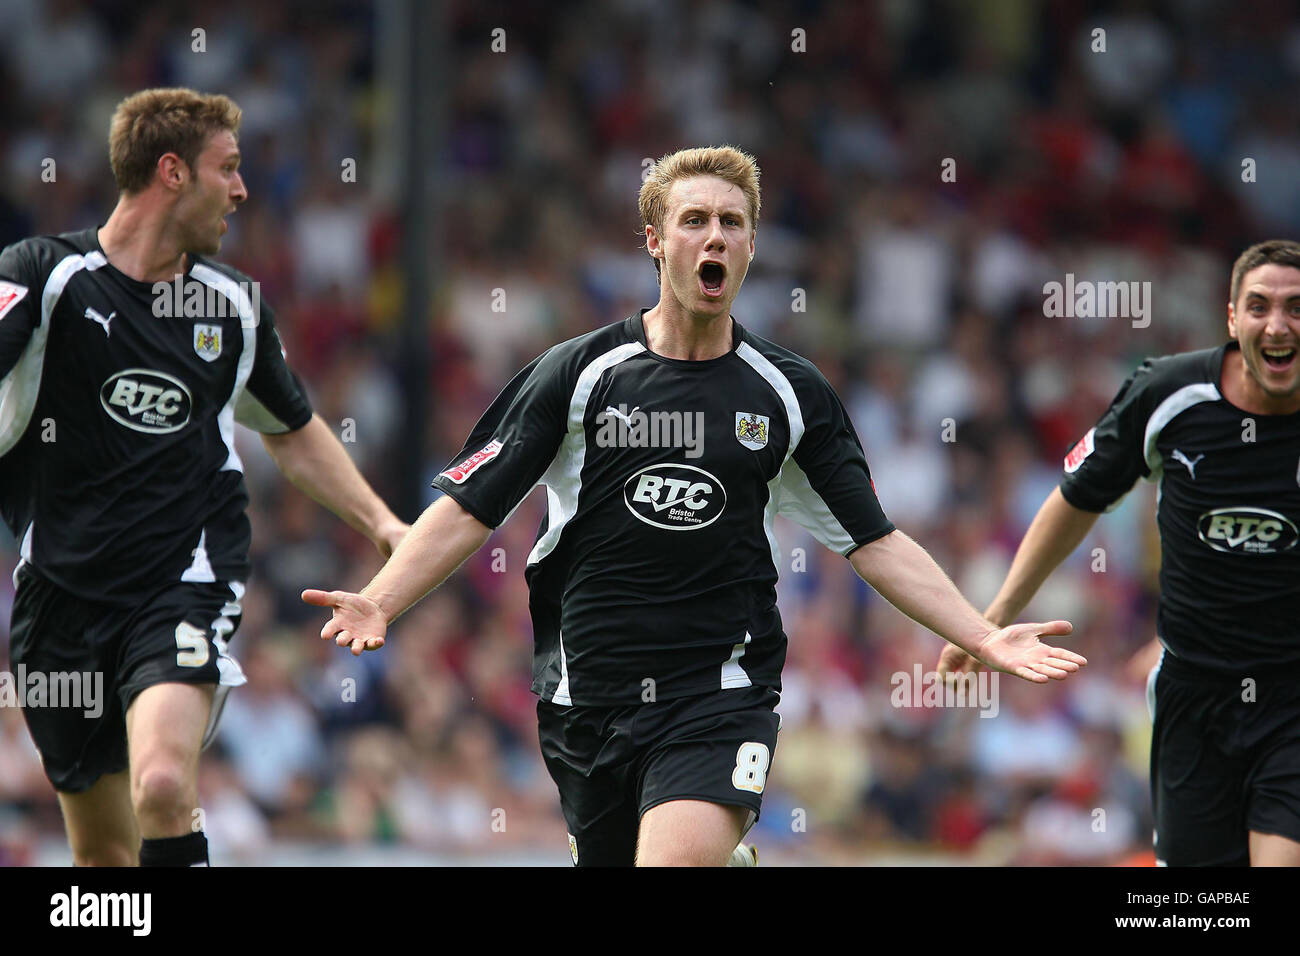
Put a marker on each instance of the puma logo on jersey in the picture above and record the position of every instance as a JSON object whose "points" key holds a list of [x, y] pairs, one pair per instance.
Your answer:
{"points": [[675, 497], [1191, 465], [1247, 530], [626, 416], [146, 401], [96, 317]]}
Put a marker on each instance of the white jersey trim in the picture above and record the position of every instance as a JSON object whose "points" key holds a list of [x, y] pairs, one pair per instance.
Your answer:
{"points": [[561, 695], [733, 675], [20, 388], [248, 322], [1167, 411], [563, 478], [800, 502]]}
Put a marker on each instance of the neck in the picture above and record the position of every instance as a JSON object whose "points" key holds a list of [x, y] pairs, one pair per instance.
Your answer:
{"points": [[675, 333], [140, 243], [1239, 387]]}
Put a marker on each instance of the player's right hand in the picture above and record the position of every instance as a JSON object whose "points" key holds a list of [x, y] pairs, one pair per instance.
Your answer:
{"points": [[357, 622]]}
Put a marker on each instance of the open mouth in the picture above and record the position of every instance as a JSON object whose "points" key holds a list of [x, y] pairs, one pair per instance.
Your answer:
{"points": [[1279, 359], [712, 277]]}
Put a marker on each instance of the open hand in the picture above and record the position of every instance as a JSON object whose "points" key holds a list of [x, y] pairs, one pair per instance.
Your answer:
{"points": [[357, 621]]}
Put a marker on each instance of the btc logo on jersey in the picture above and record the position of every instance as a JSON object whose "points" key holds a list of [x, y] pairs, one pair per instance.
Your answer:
{"points": [[675, 497], [207, 342], [751, 430], [146, 401], [1247, 531]]}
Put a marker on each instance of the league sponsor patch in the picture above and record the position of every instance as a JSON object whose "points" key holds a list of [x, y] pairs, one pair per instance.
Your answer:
{"points": [[473, 463], [1079, 452], [11, 293]]}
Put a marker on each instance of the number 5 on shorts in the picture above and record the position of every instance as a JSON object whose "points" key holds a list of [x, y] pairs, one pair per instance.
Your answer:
{"points": [[751, 767], [192, 645]]}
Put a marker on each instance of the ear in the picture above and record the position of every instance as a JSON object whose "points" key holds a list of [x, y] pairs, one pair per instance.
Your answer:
{"points": [[653, 243], [1232, 322], [172, 170]]}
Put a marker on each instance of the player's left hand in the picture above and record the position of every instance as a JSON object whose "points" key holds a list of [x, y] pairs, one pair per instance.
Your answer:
{"points": [[1017, 650], [389, 535]]}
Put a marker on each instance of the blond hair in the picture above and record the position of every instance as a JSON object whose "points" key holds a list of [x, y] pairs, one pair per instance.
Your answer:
{"points": [[150, 123], [726, 162]]}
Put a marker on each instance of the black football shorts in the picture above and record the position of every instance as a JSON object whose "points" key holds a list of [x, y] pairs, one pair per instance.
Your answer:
{"points": [[100, 656], [612, 764], [1225, 760]]}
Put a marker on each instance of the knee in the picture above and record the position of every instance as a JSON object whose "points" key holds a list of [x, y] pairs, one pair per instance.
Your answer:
{"points": [[678, 856], [161, 789], [105, 853]]}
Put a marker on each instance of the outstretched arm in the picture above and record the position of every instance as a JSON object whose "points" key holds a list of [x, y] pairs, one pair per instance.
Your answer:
{"points": [[316, 462], [438, 543], [908, 578], [1056, 531]]}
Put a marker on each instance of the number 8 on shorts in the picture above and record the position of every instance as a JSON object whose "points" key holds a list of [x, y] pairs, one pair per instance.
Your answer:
{"points": [[751, 767]]}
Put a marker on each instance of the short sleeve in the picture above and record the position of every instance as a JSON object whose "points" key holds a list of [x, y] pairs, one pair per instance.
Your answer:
{"points": [[273, 400], [826, 485], [1105, 463], [513, 444]]}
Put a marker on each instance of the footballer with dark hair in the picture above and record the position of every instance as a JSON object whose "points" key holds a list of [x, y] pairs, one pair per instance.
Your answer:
{"points": [[1219, 430]]}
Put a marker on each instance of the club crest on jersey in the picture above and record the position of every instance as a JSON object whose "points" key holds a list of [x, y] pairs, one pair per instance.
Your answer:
{"points": [[473, 463], [207, 342], [1080, 451], [751, 430]]}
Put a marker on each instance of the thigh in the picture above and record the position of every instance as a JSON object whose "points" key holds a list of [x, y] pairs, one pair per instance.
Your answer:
{"points": [[585, 752], [690, 833], [63, 652], [1198, 791], [101, 823], [167, 721]]}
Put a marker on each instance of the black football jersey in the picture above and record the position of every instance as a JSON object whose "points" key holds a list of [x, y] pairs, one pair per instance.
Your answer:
{"points": [[118, 403], [654, 572], [1228, 512]]}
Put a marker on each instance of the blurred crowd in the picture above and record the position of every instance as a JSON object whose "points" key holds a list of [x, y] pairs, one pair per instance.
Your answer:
{"points": [[918, 293]]}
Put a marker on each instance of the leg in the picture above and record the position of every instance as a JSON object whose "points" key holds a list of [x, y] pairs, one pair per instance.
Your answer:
{"points": [[587, 751], [1269, 849], [689, 833], [1197, 790], [164, 731], [701, 784], [101, 825]]}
